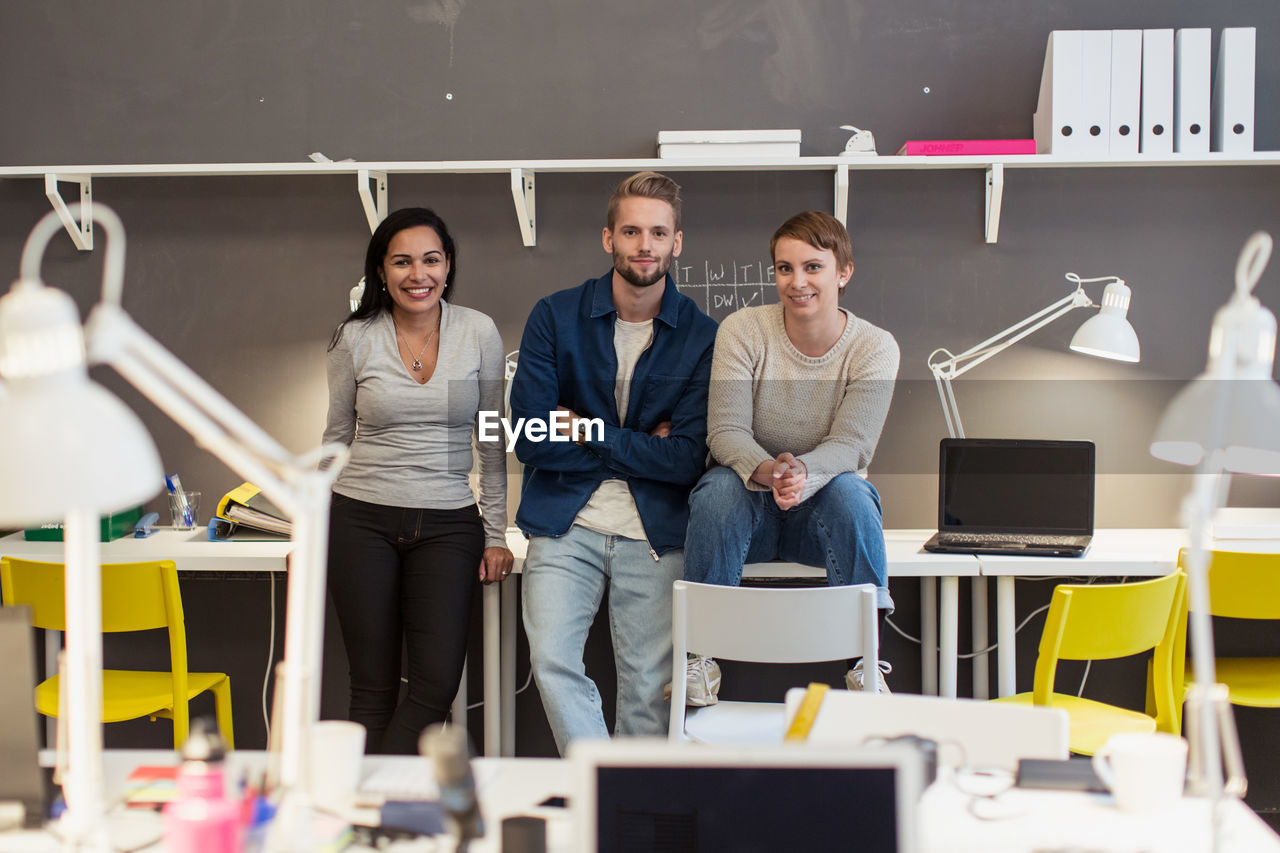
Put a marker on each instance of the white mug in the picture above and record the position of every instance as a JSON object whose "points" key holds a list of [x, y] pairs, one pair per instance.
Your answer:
{"points": [[1145, 772], [336, 750]]}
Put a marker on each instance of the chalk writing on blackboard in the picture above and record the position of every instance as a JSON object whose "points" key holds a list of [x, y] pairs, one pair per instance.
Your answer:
{"points": [[722, 287]]}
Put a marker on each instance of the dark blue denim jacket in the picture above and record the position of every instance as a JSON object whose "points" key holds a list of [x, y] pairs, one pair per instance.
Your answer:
{"points": [[567, 359]]}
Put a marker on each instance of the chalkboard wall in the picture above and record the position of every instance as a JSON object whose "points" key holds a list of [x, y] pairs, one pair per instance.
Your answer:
{"points": [[245, 278]]}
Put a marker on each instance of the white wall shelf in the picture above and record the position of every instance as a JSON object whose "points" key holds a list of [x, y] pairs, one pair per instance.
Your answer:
{"points": [[523, 175]]}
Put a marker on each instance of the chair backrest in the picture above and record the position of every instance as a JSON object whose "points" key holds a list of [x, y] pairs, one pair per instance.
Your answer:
{"points": [[969, 732], [1104, 621], [767, 625], [135, 597], [1242, 585]]}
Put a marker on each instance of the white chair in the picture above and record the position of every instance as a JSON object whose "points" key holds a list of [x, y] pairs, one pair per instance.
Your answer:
{"points": [[762, 626], [969, 732]]}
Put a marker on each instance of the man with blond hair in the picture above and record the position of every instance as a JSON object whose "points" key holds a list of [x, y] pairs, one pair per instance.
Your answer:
{"points": [[608, 512]]}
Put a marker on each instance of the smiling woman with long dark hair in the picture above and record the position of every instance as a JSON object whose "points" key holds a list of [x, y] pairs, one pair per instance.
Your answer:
{"points": [[408, 376]]}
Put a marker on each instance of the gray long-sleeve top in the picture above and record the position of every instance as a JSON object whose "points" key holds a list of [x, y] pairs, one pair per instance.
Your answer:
{"points": [[411, 445]]}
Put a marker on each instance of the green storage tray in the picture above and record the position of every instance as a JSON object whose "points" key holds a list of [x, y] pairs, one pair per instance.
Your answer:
{"points": [[114, 526]]}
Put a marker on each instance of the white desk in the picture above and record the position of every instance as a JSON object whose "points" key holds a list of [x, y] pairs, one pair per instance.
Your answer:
{"points": [[1016, 821], [193, 552], [906, 558], [1114, 553]]}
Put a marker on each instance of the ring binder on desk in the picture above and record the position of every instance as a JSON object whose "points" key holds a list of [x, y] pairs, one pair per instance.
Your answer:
{"points": [[246, 506]]}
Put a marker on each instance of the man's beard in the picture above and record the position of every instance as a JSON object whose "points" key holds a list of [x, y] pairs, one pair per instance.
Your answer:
{"points": [[634, 278]]}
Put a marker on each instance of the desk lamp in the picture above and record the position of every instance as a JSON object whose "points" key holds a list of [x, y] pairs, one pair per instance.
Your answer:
{"points": [[69, 449], [1106, 335], [1225, 421]]}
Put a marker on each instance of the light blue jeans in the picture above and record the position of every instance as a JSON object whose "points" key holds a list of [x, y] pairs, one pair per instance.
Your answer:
{"points": [[564, 582], [839, 527]]}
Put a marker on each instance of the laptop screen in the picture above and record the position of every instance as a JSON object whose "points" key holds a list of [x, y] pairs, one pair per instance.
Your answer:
{"points": [[1015, 485]]}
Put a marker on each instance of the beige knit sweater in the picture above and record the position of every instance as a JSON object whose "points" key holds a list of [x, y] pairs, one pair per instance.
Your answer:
{"points": [[769, 398]]}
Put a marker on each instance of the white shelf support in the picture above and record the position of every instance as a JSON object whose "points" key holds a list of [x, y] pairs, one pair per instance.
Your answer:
{"points": [[842, 195], [522, 187], [375, 209], [995, 195], [81, 232]]}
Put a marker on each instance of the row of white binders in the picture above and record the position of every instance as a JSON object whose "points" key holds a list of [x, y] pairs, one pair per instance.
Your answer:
{"points": [[1115, 93]]}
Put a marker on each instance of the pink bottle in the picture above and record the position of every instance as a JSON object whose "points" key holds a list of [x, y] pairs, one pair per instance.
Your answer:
{"points": [[202, 819]]}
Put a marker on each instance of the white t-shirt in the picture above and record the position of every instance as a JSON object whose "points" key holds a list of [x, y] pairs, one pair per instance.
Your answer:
{"points": [[612, 510]]}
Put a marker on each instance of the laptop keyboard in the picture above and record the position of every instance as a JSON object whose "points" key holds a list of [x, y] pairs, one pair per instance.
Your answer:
{"points": [[997, 540]]}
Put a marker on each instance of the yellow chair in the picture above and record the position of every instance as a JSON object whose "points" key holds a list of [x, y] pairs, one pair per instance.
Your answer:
{"points": [[135, 597], [1241, 586], [1104, 621]]}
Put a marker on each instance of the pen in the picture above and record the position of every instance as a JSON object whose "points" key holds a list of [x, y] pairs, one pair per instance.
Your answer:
{"points": [[174, 483]]}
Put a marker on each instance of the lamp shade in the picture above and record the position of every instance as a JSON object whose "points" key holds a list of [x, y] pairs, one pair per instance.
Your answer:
{"points": [[65, 441], [1239, 417], [1108, 333], [1233, 408]]}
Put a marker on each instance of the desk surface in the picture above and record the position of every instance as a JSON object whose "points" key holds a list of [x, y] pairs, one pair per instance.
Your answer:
{"points": [[904, 549], [1017, 820], [190, 549], [1118, 552]]}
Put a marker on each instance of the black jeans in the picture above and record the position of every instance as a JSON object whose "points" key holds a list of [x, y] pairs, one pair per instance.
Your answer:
{"points": [[403, 575]]}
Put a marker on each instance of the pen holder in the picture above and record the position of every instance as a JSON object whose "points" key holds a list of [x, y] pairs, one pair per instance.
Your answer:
{"points": [[184, 508]]}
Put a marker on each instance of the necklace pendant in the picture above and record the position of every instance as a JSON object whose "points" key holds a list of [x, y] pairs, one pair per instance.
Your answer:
{"points": [[417, 365]]}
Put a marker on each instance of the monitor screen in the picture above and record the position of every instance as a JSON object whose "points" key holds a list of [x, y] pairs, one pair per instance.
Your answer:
{"points": [[1016, 484], [711, 809]]}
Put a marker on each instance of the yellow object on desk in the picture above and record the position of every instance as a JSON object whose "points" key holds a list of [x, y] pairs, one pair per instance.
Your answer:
{"points": [[807, 712]]}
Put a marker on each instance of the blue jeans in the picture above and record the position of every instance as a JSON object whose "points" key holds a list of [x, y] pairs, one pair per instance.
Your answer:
{"points": [[839, 527], [564, 582]]}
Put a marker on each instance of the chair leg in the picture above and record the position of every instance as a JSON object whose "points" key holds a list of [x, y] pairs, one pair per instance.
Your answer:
{"points": [[222, 708]]}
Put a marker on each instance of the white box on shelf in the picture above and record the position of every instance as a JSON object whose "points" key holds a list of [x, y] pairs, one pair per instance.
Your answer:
{"points": [[1233, 94], [1157, 92], [1126, 92], [728, 144], [1057, 119], [1191, 91]]}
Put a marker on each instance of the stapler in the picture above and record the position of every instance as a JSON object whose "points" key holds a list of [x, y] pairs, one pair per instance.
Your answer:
{"points": [[861, 143], [145, 526]]}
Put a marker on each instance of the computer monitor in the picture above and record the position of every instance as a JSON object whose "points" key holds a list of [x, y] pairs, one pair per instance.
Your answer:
{"points": [[645, 794], [21, 779]]}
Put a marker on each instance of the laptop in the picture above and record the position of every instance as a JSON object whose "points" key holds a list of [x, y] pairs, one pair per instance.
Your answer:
{"points": [[644, 794], [21, 781], [1014, 496]]}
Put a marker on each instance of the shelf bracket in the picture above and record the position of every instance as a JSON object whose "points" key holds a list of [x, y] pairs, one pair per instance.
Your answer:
{"points": [[526, 212], [375, 210], [81, 232], [842, 194], [995, 195]]}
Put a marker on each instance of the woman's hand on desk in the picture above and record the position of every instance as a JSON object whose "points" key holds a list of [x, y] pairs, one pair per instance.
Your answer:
{"points": [[495, 564]]}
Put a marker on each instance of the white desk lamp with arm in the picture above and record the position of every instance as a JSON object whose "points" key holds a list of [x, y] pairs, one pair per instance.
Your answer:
{"points": [[69, 449], [1106, 335], [1225, 421]]}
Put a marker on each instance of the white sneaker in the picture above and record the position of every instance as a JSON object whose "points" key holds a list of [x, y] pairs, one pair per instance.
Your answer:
{"points": [[702, 682], [853, 679]]}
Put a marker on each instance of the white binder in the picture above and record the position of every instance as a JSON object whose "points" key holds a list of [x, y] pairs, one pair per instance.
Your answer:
{"points": [[1157, 92], [1095, 93], [1232, 108], [1126, 92], [1056, 122], [1191, 91]]}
